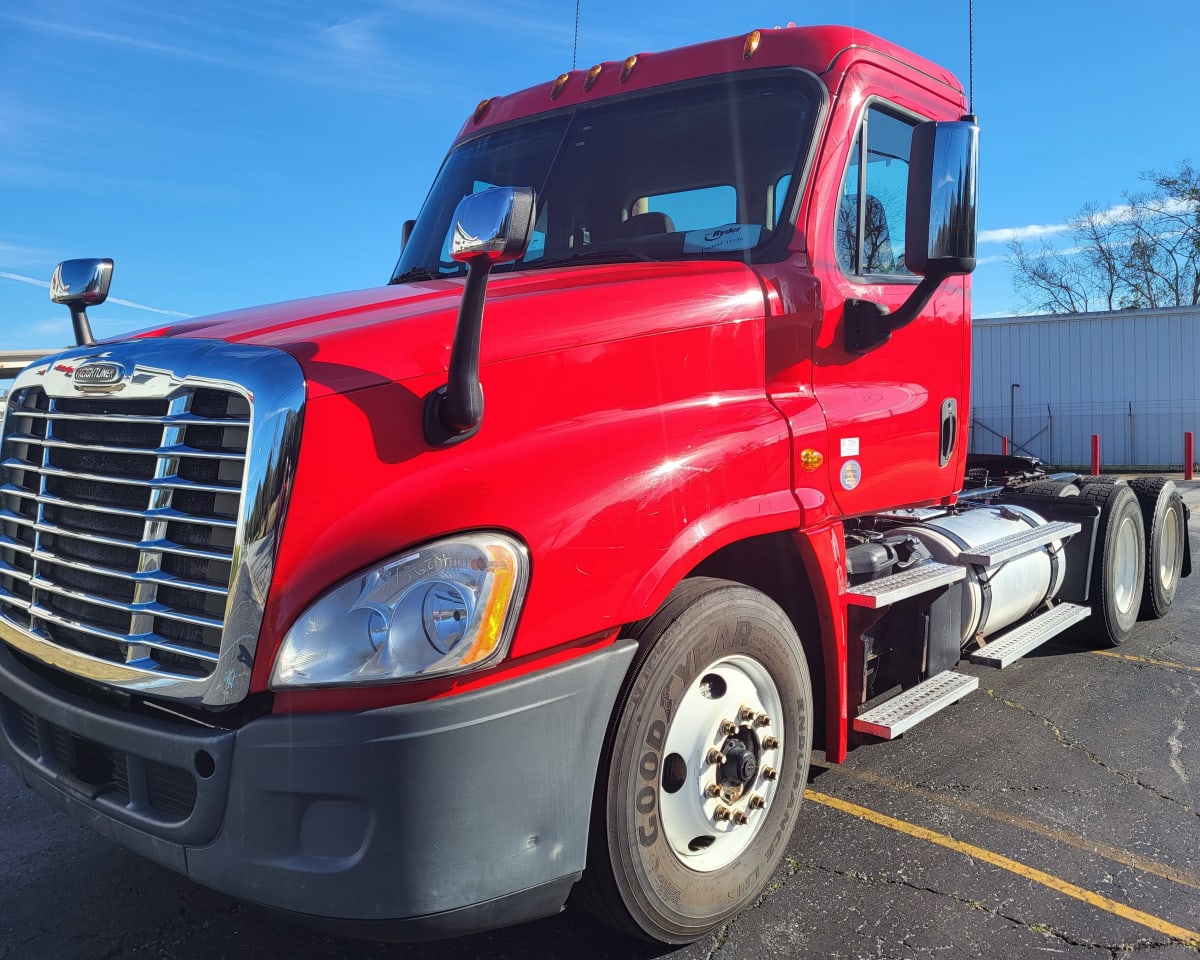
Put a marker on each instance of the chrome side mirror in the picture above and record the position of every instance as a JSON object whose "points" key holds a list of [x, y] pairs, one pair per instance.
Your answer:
{"points": [[80, 284], [494, 224], [490, 227], [939, 238]]}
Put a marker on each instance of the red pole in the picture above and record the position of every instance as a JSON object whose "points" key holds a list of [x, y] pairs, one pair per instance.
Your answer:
{"points": [[1189, 455], [1004, 446], [1095, 454]]}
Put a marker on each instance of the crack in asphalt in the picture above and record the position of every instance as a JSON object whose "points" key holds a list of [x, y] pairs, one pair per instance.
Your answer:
{"points": [[1073, 744], [1114, 950], [1174, 743], [790, 868]]}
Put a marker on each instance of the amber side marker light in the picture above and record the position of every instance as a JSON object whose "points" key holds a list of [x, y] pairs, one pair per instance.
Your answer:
{"points": [[811, 459], [627, 68], [750, 47], [482, 109], [592, 76], [559, 83]]}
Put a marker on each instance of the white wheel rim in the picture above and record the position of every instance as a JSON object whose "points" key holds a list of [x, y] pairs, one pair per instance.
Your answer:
{"points": [[690, 817], [1126, 586], [1168, 550]]}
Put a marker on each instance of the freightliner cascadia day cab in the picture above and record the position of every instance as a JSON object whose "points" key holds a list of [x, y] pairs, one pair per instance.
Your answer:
{"points": [[541, 571]]}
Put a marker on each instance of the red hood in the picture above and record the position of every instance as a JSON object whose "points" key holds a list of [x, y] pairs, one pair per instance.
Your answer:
{"points": [[351, 340]]}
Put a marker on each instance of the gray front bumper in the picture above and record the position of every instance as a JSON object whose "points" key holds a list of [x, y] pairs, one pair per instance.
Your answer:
{"points": [[410, 822]]}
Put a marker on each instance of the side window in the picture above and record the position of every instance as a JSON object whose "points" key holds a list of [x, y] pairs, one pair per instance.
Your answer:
{"points": [[869, 237]]}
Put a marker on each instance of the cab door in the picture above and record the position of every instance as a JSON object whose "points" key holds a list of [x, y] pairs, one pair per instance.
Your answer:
{"points": [[895, 411]]}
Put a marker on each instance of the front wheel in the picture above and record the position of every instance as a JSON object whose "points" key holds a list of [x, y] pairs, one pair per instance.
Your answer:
{"points": [[706, 762]]}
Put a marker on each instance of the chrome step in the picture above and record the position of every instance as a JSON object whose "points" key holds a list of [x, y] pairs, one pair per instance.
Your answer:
{"points": [[1018, 544], [900, 586], [892, 717], [1028, 636]]}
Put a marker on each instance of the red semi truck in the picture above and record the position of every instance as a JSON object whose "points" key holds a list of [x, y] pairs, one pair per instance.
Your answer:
{"points": [[371, 611]]}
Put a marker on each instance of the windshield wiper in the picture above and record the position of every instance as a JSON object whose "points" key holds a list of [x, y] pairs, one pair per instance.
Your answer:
{"points": [[589, 256], [416, 274]]}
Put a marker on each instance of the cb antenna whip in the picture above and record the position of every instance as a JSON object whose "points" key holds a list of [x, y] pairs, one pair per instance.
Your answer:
{"points": [[970, 41], [575, 51]]}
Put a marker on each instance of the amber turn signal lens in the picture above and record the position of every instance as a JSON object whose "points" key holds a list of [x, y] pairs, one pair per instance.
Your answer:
{"points": [[751, 46]]}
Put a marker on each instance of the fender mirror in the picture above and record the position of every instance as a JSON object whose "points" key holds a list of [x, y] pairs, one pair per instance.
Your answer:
{"points": [[80, 284]]}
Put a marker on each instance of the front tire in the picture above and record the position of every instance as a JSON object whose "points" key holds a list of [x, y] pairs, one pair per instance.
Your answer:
{"points": [[706, 762]]}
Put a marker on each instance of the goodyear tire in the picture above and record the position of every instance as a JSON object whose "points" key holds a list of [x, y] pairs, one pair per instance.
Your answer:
{"points": [[1166, 539], [1118, 566], [704, 768]]}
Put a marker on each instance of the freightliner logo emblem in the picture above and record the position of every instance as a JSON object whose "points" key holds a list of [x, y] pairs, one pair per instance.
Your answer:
{"points": [[99, 376]]}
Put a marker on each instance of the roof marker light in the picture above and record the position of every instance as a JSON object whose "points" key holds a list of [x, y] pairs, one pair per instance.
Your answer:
{"points": [[627, 68], [753, 39], [559, 83], [482, 109], [592, 76]]}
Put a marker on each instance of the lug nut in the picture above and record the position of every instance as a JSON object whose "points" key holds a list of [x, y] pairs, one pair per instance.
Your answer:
{"points": [[712, 790], [757, 802], [715, 756], [762, 720], [746, 713], [769, 773], [721, 813], [728, 727], [770, 743], [740, 818]]}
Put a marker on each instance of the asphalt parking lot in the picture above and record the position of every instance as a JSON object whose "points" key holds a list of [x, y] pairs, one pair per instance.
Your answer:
{"points": [[1056, 812]]}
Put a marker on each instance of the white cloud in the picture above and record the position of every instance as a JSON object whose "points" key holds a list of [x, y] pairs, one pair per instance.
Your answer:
{"points": [[117, 300], [1007, 234], [1117, 213], [45, 284]]}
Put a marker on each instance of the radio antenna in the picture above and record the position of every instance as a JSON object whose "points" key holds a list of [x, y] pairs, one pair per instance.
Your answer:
{"points": [[575, 51], [970, 41]]}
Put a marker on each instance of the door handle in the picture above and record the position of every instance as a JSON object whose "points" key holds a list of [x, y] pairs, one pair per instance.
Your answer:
{"points": [[949, 431]]}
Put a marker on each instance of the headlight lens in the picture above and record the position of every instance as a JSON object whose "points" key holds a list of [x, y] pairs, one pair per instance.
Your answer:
{"points": [[444, 608]]}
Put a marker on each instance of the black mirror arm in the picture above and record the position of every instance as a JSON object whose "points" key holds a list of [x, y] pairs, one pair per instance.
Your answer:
{"points": [[454, 412], [868, 324], [79, 321]]}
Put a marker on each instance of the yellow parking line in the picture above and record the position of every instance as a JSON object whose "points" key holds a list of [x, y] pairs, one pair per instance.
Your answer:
{"points": [[1147, 660], [1095, 847], [1189, 937]]}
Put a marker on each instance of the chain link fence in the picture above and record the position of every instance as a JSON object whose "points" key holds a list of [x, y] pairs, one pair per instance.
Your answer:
{"points": [[1133, 436]]}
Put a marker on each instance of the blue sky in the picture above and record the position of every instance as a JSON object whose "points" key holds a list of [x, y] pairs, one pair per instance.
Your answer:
{"points": [[232, 153]]}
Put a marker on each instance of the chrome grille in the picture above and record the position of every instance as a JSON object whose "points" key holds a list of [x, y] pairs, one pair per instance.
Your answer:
{"points": [[118, 523]]}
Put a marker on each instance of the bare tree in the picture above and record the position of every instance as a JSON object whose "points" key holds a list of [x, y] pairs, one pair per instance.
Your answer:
{"points": [[1142, 253]]}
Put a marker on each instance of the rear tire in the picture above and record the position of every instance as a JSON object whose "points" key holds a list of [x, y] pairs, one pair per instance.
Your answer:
{"points": [[1049, 488], [1118, 567], [1166, 539], [663, 862]]}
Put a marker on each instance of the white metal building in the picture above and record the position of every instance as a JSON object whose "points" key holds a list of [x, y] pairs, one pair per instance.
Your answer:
{"points": [[1050, 382]]}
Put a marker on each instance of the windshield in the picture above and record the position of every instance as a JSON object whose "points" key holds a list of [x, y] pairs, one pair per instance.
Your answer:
{"points": [[695, 171]]}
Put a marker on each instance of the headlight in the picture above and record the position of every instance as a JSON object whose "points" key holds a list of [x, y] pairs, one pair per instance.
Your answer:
{"points": [[444, 608]]}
